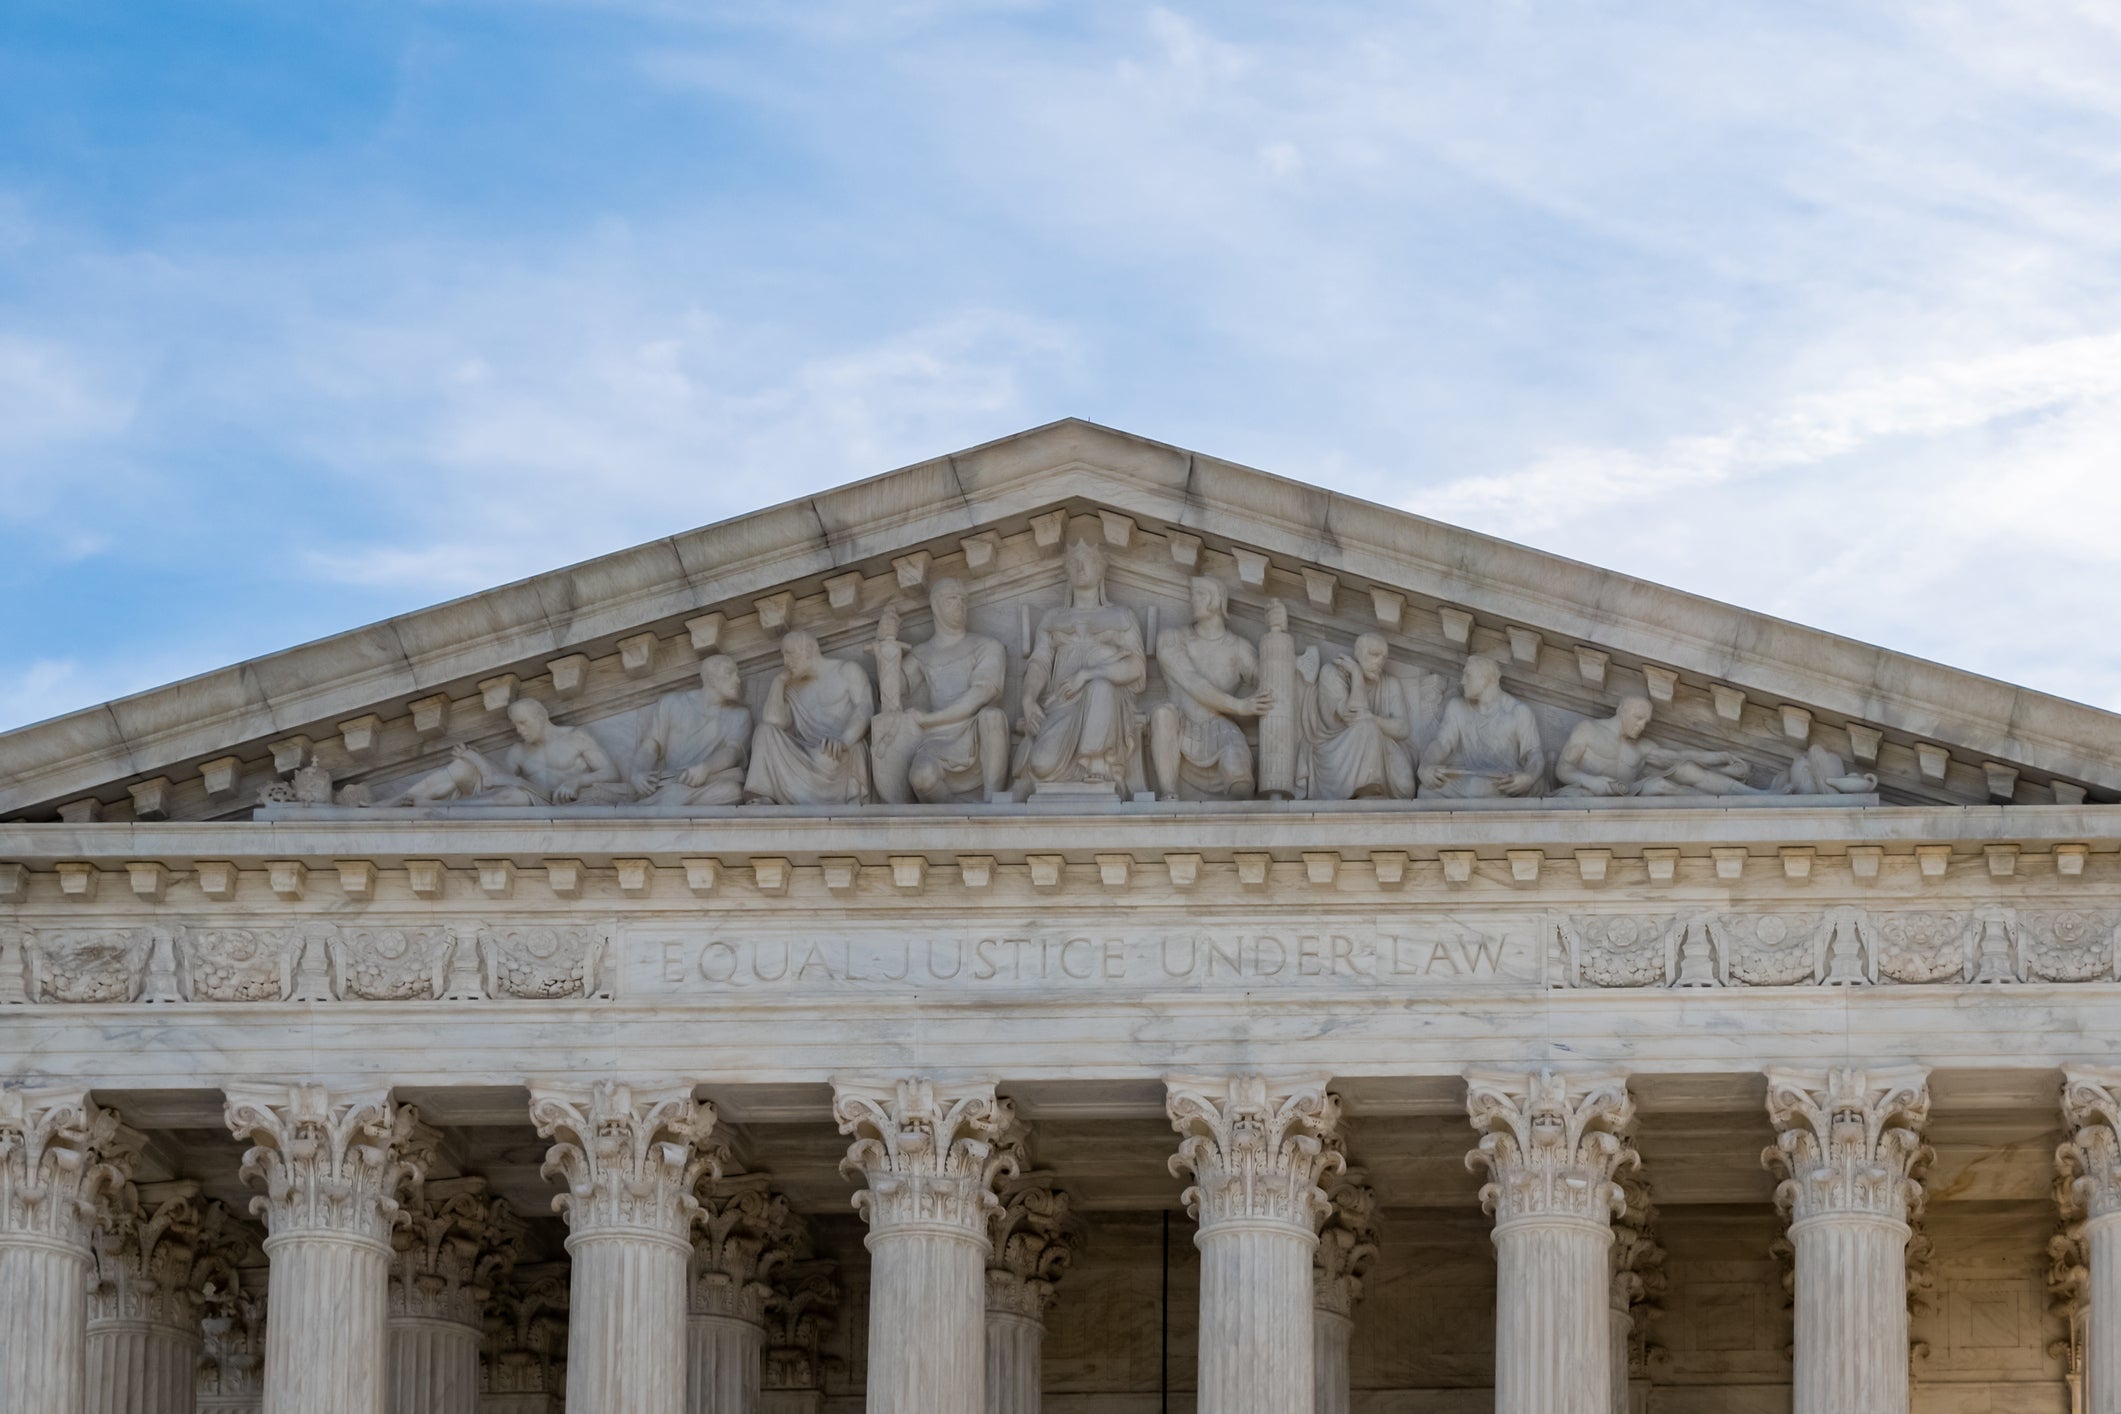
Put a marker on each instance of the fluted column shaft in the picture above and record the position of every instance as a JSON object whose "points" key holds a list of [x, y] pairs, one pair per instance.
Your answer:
{"points": [[142, 1367], [2090, 1163], [1331, 1336], [626, 1321], [1552, 1345], [324, 1342], [433, 1366], [1015, 1361], [1851, 1314], [1619, 1326], [2102, 1327], [43, 1325], [725, 1360]]}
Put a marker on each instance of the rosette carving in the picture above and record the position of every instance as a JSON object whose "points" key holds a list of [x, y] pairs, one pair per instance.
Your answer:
{"points": [[1848, 1141], [541, 963], [2089, 1161], [87, 964], [146, 1251], [1254, 1150], [1772, 949], [1347, 1247], [631, 1157], [1551, 1143], [330, 1162], [745, 1234], [1920, 947], [1621, 950], [62, 1158], [390, 964], [2068, 945], [237, 964], [929, 1156], [456, 1243]]}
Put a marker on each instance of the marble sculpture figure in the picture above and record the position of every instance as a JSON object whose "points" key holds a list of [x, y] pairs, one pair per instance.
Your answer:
{"points": [[1488, 744], [1609, 756], [550, 765], [1356, 724], [696, 745], [1086, 669], [811, 744], [1198, 751], [956, 748]]}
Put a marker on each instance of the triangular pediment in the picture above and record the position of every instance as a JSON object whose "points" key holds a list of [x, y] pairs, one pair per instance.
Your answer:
{"points": [[600, 642]]}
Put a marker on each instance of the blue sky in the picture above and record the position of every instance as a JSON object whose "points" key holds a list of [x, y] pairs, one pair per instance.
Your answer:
{"points": [[310, 314]]}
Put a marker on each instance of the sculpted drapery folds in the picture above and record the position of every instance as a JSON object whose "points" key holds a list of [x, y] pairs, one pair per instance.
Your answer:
{"points": [[1848, 1141], [1256, 1151], [940, 735], [330, 1162], [696, 746], [1086, 668], [929, 1153], [550, 764], [744, 1235], [811, 745], [631, 1157], [1552, 1144], [1488, 743], [1199, 752], [62, 1157], [1355, 722]]}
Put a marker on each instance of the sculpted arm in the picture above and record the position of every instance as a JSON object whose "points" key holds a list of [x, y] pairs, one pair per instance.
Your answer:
{"points": [[1569, 767], [1333, 693], [1436, 756], [649, 752], [1397, 719], [776, 713], [1531, 755], [985, 689], [864, 704], [1038, 670]]}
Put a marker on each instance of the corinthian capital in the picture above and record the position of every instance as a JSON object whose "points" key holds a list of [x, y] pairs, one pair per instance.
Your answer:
{"points": [[1034, 1239], [456, 1243], [1848, 1141], [61, 1158], [746, 1232], [631, 1156], [1347, 1245], [1551, 1143], [1254, 1149], [929, 1154], [2090, 1159], [331, 1161], [147, 1247]]}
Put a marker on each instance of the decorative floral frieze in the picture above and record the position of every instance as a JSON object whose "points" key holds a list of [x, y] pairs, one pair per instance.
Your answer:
{"points": [[1551, 1143], [798, 1318], [1034, 1236], [2089, 1160], [1919, 947], [927, 1153], [1256, 1150], [744, 1234], [1620, 949], [238, 964], [1848, 1141], [2067, 945], [390, 964], [86, 964], [1347, 1246], [542, 963], [455, 1243], [63, 1157], [147, 1247], [330, 1162], [631, 1156], [525, 1351]]}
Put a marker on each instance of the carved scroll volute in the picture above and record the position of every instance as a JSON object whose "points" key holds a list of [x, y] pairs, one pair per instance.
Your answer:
{"points": [[456, 1245], [631, 1156], [1034, 1237], [928, 1153], [1552, 1144], [1255, 1150], [62, 1158], [331, 1162], [745, 1233], [1848, 1141], [2089, 1161], [146, 1247], [1347, 1246]]}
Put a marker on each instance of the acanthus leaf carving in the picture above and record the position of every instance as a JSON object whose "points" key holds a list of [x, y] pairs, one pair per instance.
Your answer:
{"points": [[1033, 1235], [2088, 1162], [744, 1234], [1552, 1143], [1347, 1246], [1848, 1141], [799, 1316], [456, 1244], [1256, 1150], [631, 1155], [330, 1162], [1639, 1282], [147, 1246], [927, 1152], [525, 1351], [62, 1158]]}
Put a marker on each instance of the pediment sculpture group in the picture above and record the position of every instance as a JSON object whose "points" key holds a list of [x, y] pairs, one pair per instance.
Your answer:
{"points": [[934, 729]]}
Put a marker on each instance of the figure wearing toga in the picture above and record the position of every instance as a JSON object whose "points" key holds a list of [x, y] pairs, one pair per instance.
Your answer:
{"points": [[1086, 668], [956, 748], [810, 747], [1488, 744], [1198, 751], [696, 745], [549, 765], [1356, 723]]}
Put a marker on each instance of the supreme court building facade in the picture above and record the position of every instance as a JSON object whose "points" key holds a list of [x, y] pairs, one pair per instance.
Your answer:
{"points": [[1072, 925]]}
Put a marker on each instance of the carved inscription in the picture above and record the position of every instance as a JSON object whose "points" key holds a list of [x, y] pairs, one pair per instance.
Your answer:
{"points": [[1359, 954]]}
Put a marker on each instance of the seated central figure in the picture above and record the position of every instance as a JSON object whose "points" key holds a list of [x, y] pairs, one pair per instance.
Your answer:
{"points": [[1488, 744], [810, 748], [1201, 754], [957, 747], [1085, 669], [695, 746]]}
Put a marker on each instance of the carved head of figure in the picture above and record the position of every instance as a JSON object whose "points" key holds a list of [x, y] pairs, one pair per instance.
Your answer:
{"points": [[799, 651], [530, 719], [947, 599], [1208, 597], [720, 679], [1086, 568], [1481, 680], [1633, 716], [1370, 652]]}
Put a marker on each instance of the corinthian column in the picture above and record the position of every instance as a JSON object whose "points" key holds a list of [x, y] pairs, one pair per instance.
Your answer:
{"points": [[1033, 1243], [2090, 1164], [456, 1242], [1255, 1151], [928, 1155], [745, 1234], [332, 1164], [1848, 1149], [1347, 1245], [631, 1157], [1551, 1143], [62, 1156], [1638, 1279], [144, 1337], [231, 1275], [527, 1342]]}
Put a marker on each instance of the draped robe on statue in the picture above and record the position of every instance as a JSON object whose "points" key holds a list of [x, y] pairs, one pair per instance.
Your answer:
{"points": [[790, 766], [1091, 733]]}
